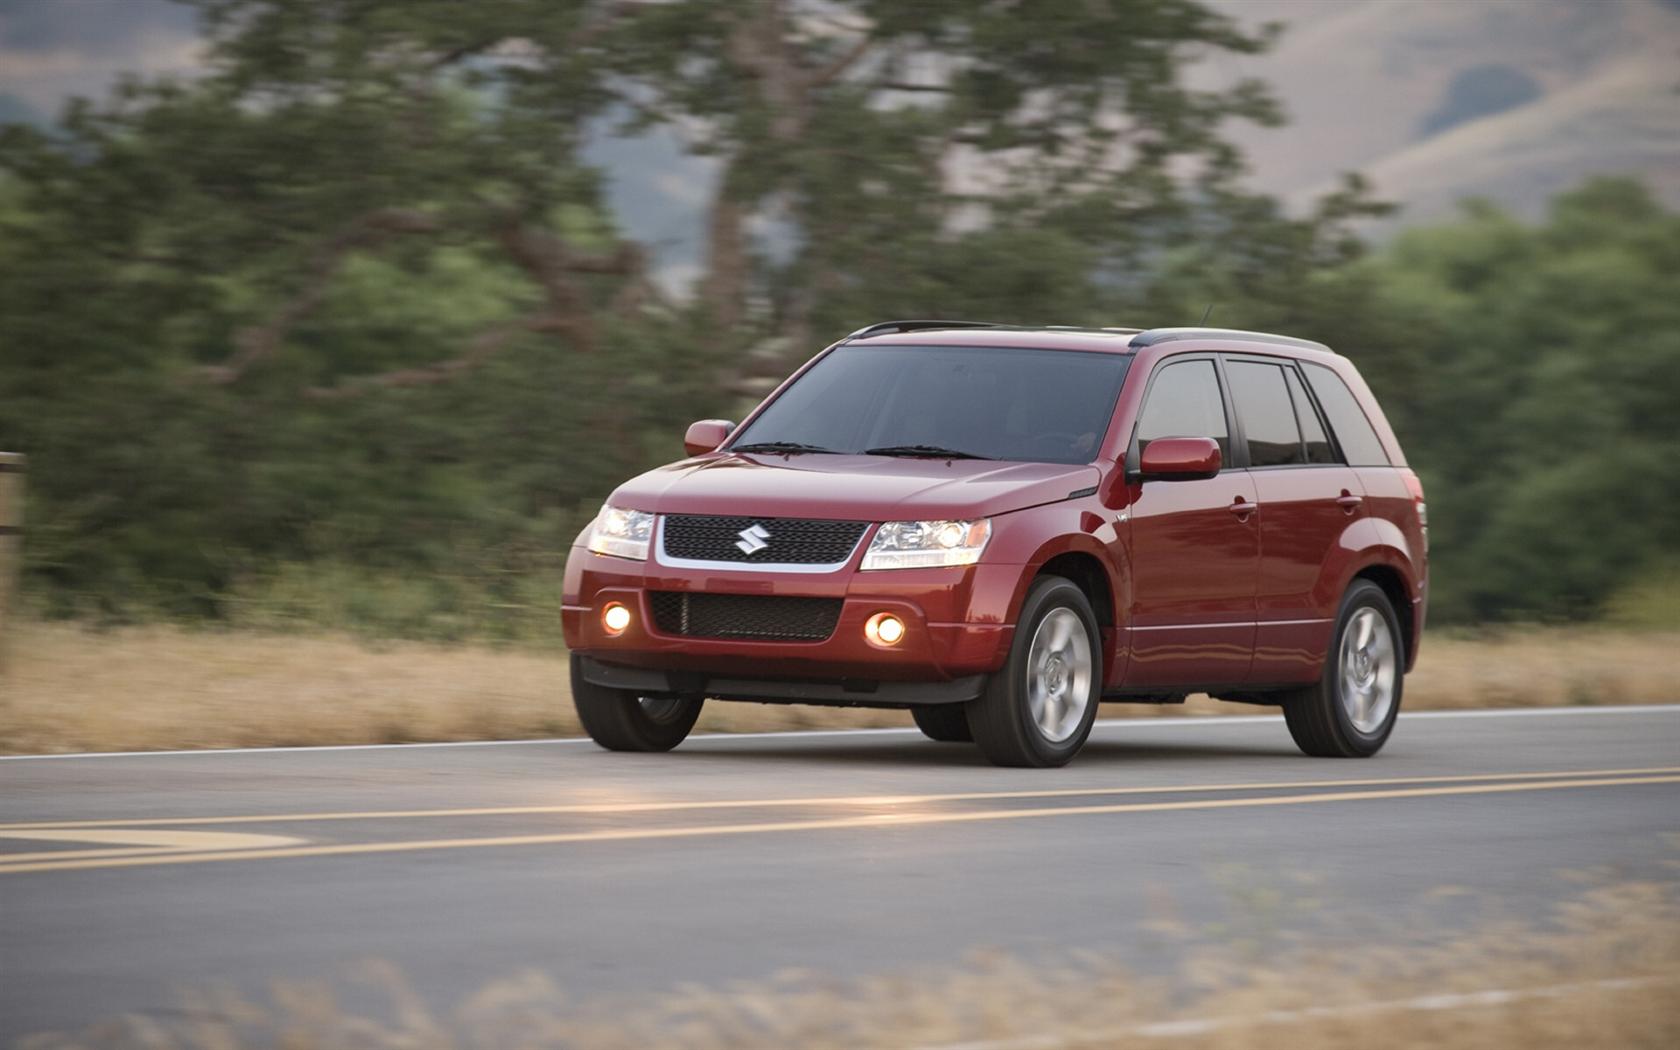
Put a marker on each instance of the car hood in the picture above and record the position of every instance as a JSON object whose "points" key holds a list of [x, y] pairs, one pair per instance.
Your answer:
{"points": [[859, 488]]}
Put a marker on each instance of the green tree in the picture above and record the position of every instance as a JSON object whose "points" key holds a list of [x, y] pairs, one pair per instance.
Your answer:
{"points": [[929, 157], [343, 328], [1530, 370], [350, 300], [343, 298], [1537, 370]]}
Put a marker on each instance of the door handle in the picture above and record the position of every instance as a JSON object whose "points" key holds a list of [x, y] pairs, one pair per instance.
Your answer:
{"points": [[1348, 501], [1242, 508]]}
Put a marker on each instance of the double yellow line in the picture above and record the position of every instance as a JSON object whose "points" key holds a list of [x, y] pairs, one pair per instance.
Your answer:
{"points": [[186, 847]]}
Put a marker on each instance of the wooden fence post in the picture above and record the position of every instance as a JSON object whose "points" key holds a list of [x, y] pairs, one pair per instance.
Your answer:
{"points": [[12, 466]]}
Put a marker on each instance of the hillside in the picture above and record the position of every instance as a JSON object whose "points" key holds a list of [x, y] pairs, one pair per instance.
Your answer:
{"points": [[1435, 99]]}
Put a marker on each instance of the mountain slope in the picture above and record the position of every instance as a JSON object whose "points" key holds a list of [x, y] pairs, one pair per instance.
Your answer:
{"points": [[1437, 99]]}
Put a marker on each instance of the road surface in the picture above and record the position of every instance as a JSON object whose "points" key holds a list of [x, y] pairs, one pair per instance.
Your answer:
{"points": [[126, 878]]}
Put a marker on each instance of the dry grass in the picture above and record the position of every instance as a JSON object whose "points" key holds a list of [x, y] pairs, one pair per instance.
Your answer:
{"points": [[1546, 667], [65, 688], [1604, 972]]}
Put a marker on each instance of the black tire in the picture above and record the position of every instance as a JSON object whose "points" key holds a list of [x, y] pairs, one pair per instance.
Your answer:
{"points": [[1317, 717], [1001, 718], [946, 723], [619, 721]]}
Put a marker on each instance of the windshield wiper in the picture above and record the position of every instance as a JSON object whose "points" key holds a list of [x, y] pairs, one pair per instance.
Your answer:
{"points": [[937, 451], [780, 446]]}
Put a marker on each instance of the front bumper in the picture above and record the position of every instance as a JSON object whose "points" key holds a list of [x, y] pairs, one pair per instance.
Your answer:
{"points": [[850, 692], [956, 623]]}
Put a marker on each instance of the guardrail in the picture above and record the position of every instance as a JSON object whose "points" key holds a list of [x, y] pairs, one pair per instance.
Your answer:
{"points": [[12, 468]]}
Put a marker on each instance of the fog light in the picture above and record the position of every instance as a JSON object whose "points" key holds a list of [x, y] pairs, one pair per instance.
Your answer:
{"points": [[615, 618], [884, 629]]}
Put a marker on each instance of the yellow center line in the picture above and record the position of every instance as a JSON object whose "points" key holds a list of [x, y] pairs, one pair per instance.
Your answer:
{"points": [[677, 806], [133, 842], [9, 859], [878, 820]]}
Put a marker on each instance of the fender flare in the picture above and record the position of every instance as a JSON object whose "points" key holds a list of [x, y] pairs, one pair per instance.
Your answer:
{"points": [[1380, 544], [1078, 543]]}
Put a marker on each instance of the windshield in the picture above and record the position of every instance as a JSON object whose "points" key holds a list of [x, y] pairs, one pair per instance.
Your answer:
{"points": [[1044, 406]]}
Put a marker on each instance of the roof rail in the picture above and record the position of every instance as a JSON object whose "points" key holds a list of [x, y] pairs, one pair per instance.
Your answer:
{"points": [[1112, 329], [1168, 335], [917, 326]]}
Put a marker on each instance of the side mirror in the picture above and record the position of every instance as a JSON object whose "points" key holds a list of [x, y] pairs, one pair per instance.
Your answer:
{"points": [[706, 435], [1180, 459]]}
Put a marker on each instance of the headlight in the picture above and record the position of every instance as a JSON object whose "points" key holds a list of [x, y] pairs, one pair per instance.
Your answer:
{"points": [[927, 544], [621, 533]]}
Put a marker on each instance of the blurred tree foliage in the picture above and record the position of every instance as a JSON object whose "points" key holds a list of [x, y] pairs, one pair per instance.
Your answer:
{"points": [[341, 332], [1534, 374], [344, 311]]}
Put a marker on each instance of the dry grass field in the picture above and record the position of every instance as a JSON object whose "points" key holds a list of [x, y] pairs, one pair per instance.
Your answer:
{"points": [[1604, 971], [67, 688]]}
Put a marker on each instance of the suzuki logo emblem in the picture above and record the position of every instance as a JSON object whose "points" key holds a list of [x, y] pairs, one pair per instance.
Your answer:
{"points": [[754, 538]]}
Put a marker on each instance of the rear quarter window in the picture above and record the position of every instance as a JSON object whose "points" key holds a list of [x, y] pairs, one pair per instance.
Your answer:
{"points": [[1312, 431], [1267, 414], [1360, 445]]}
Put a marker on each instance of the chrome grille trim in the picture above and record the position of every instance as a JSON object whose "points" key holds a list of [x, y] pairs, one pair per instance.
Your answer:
{"points": [[671, 562]]}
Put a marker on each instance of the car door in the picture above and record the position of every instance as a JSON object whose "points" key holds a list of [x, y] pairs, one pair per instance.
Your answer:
{"points": [[1307, 500], [1195, 544]]}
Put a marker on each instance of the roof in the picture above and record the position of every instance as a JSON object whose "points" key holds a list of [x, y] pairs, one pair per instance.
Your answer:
{"points": [[1059, 337]]}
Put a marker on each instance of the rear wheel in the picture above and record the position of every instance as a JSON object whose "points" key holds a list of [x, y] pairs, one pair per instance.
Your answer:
{"points": [[1350, 711], [946, 723], [1038, 710], [619, 720]]}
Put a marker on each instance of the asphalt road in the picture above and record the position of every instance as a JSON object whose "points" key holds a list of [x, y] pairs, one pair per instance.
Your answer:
{"points": [[126, 878]]}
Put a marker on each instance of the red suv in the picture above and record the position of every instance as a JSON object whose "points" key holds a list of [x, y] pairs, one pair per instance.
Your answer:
{"points": [[998, 527]]}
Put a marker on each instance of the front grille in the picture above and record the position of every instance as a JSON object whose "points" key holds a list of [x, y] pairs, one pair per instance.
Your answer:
{"points": [[777, 541], [758, 616]]}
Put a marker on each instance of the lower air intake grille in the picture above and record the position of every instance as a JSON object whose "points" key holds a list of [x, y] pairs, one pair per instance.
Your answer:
{"points": [[756, 616]]}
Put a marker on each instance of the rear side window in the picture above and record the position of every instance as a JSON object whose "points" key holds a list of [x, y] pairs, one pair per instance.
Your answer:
{"points": [[1184, 401], [1267, 414], [1312, 430], [1360, 444]]}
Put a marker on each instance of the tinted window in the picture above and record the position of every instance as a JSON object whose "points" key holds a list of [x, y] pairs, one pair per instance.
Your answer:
{"points": [[1047, 406], [1312, 430], [1267, 414], [1360, 446], [1184, 401]]}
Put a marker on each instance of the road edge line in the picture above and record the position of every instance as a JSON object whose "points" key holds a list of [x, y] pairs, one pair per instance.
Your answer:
{"points": [[1107, 723]]}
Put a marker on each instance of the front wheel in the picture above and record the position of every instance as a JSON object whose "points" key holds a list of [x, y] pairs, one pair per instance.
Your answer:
{"points": [[1350, 711], [622, 721], [1039, 709]]}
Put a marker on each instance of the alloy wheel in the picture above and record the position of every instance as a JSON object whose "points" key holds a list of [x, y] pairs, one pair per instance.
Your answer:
{"points": [[1059, 668], [1367, 669]]}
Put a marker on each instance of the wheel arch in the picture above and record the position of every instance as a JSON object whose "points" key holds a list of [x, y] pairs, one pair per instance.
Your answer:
{"points": [[1375, 549], [1082, 559], [1393, 585], [1090, 576]]}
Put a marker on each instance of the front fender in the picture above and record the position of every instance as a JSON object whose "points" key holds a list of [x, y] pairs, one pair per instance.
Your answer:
{"points": [[1030, 539]]}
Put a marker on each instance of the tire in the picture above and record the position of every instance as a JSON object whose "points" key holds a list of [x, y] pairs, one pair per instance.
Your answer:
{"points": [[1003, 718], [622, 721], [1345, 714], [946, 723]]}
